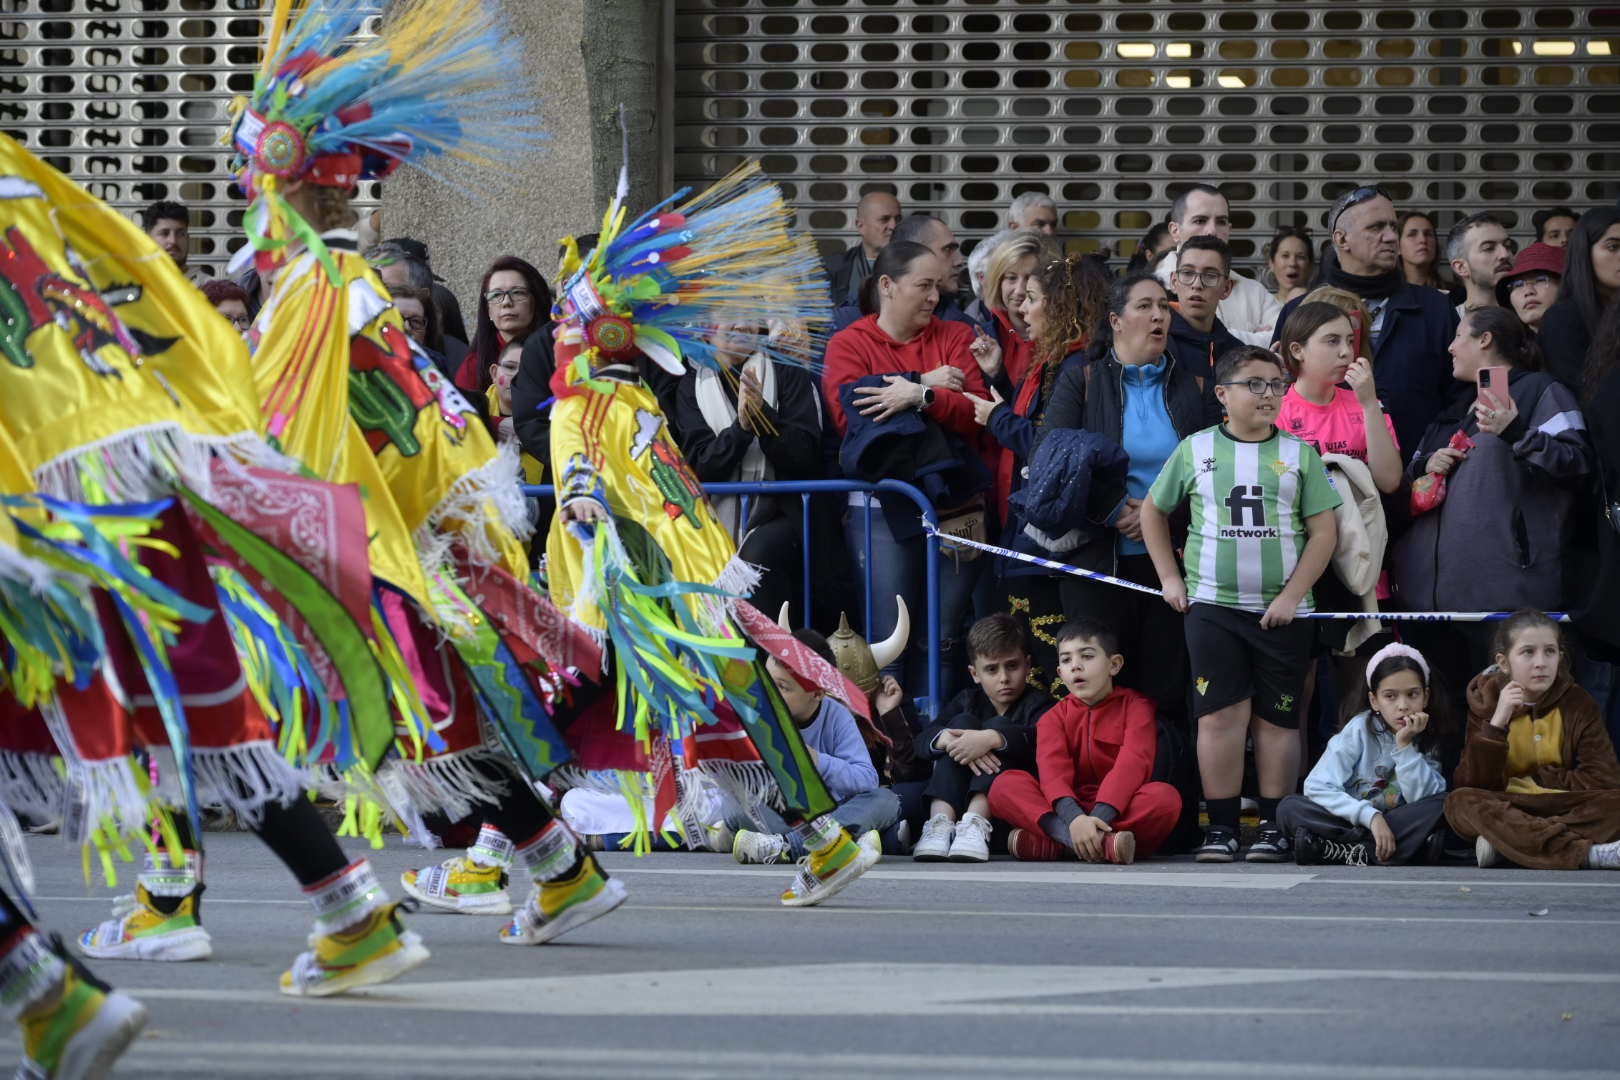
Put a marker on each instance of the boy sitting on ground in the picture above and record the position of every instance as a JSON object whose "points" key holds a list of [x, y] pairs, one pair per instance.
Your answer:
{"points": [[1095, 749], [834, 741], [985, 729]]}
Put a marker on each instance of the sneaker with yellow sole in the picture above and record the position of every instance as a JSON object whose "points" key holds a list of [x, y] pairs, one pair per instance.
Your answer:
{"points": [[377, 949], [139, 930], [556, 907], [460, 885], [78, 1030], [828, 871]]}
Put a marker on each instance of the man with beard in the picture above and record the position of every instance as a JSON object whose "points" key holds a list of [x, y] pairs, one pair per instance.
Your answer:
{"points": [[1480, 254]]}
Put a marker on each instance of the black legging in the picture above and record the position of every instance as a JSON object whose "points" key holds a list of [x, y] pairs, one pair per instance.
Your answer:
{"points": [[297, 835]]}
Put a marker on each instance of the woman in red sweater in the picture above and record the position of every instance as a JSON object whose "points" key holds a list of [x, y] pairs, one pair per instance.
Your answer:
{"points": [[914, 363]]}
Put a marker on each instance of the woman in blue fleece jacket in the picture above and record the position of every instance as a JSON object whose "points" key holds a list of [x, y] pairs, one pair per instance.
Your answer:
{"points": [[834, 740], [1377, 792]]}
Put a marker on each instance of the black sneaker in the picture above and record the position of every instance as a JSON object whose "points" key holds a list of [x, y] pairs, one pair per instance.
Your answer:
{"points": [[1220, 845], [1272, 845], [1313, 850]]}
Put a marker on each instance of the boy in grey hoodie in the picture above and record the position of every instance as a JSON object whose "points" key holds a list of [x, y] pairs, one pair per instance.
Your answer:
{"points": [[1377, 792]]}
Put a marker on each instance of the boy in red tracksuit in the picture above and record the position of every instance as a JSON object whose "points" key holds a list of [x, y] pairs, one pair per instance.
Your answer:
{"points": [[1094, 750]]}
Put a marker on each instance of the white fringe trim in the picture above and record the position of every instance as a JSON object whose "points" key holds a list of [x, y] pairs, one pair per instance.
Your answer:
{"points": [[31, 784], [464, 513], [739, 579], [145, 463], [244, 778], [30, 573], [446, 783], [750, 782]]}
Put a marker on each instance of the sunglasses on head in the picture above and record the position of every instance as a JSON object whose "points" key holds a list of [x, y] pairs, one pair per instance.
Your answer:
{"points": [[1354, 197]]}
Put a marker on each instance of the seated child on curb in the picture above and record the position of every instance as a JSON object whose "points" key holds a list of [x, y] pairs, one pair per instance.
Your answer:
{"points": [[986, 728], [834, 740], [1262, 532], [1538, 785], [1377, 791], [1095, 749]]}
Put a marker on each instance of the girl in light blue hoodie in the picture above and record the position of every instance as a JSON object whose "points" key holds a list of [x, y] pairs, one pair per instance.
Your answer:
{"points": [[1377, 792]]}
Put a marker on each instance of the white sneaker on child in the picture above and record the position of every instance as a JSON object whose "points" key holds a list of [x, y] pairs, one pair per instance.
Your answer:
{"points": [[1604, 856], [934, 845], [1485, 853], [972, 840]]}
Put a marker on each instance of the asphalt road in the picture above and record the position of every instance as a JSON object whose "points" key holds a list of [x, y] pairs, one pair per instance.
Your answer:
{"points": [[1007, 969]]}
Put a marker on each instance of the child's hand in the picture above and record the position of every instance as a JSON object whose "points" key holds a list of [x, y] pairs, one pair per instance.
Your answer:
{"points": [[971, 745], [1510, 701], [1416, 724], [1383, 839], [988, 765], [1086, 837], [1359, 377], [1175, 593], [889, 695], [1280, 612]]}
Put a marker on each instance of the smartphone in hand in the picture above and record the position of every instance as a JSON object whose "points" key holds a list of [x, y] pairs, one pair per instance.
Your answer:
{"points": [[1493, 381]]}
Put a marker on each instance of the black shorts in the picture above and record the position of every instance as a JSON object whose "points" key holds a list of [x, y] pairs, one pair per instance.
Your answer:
{"points": [[1234, 660]]}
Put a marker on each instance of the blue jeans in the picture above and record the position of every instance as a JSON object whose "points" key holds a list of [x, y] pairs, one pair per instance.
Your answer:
{"points": [[875, 809], [900, 568]]}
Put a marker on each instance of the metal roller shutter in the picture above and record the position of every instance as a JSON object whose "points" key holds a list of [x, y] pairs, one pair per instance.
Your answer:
{"points": [[131, 97], [959, 105]]}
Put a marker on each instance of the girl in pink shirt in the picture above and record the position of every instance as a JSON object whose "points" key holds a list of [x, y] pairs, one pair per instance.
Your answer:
{"points": [[1317, 346]]}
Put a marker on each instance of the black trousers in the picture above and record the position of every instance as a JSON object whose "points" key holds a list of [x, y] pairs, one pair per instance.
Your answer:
{"points": [[1411, 823]]}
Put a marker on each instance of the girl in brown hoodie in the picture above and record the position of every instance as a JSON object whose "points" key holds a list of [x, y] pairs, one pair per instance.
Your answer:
{"points": [[1538, 784]]}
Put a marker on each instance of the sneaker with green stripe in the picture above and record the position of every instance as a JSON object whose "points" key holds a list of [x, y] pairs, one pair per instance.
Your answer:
{"points": [[141, 930], [460, 885], [78, 1031], [377, 949], [828, 871], [556, 907]]}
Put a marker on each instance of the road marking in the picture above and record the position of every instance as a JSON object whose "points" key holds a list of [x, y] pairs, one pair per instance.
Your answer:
{"points": [[847, 989], [954, 875], [843, 908], [400, 1059]]}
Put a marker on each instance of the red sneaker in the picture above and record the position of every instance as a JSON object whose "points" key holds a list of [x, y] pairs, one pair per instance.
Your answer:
{"points": [[1120, 847], [1029, 846]]}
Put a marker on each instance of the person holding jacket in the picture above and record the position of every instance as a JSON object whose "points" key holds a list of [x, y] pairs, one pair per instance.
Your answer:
{"points": [[1133, 391], [899, 361], [1498, 539]]}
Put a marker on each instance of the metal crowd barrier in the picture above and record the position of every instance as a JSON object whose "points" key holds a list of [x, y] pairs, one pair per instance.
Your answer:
{"points": [[807, 488]]}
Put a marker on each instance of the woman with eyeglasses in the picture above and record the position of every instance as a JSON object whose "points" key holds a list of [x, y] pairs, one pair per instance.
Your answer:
{"points": [[1129, 387], [421, 317], [512, 301], [231, 301]]}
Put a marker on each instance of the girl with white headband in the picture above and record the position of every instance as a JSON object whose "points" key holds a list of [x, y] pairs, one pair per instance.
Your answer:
{"points": [[1377, 792]]}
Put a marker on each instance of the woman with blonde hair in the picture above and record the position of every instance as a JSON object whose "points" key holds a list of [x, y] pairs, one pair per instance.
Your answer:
{"points": [[1013, 263]]}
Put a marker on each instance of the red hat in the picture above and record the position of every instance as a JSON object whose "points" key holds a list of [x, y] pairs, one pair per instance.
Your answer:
{"points": [[1538, 258]]}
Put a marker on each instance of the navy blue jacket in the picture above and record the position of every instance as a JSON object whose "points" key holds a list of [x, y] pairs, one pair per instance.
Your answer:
{"points": [[1412, 360]]}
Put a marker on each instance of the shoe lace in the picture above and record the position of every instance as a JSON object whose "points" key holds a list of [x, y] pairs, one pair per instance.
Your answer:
{"points": [[1349, 854]]}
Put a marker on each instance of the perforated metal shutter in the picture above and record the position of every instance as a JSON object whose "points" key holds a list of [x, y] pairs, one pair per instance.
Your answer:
{"points": [[959, 105], [131, 97]]}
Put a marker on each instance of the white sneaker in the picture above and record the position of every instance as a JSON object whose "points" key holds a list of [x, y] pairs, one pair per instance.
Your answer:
{"points": [[934, 845], [1484, 854], [972, 840], [1604, 856], [870, 841], [758, 847]]}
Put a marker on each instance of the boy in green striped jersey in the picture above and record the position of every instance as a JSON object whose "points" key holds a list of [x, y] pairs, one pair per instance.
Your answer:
{"points": [[1262, 532]]}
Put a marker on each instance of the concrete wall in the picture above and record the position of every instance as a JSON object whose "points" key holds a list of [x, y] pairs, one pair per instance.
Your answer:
{"points": [[525, 211]]}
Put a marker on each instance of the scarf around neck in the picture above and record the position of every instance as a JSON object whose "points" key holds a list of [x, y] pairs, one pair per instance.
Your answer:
{"points": [[1376, 287]]}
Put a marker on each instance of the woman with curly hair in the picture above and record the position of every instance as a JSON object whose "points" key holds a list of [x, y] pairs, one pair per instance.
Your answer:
{"points": [[1061, 308]]}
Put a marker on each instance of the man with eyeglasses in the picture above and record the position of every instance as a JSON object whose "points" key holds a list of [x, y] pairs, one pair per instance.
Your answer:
{"points": [[1480, 253], [1249, 311], [1411, 325], [1531, 287], [1198, 338]]}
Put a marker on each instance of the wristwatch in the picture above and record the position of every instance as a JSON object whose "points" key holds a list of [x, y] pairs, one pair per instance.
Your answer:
{"points": [[928, 398]]}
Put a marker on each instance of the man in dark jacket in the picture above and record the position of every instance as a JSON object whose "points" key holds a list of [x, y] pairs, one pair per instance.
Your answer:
{"points": [[875, 219], [1198, 338], [1412, 326]]}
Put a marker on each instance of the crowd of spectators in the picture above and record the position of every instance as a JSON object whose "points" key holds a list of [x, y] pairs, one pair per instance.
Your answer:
{"points": [[1404, 419]]}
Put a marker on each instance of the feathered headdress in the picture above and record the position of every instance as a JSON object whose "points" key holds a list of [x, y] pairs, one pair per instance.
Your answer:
{"points": [[661, 285], [437, 78]]}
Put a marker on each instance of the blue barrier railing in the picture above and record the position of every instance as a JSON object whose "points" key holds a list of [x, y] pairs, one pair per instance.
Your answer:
{"points": [[807, 488]]}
